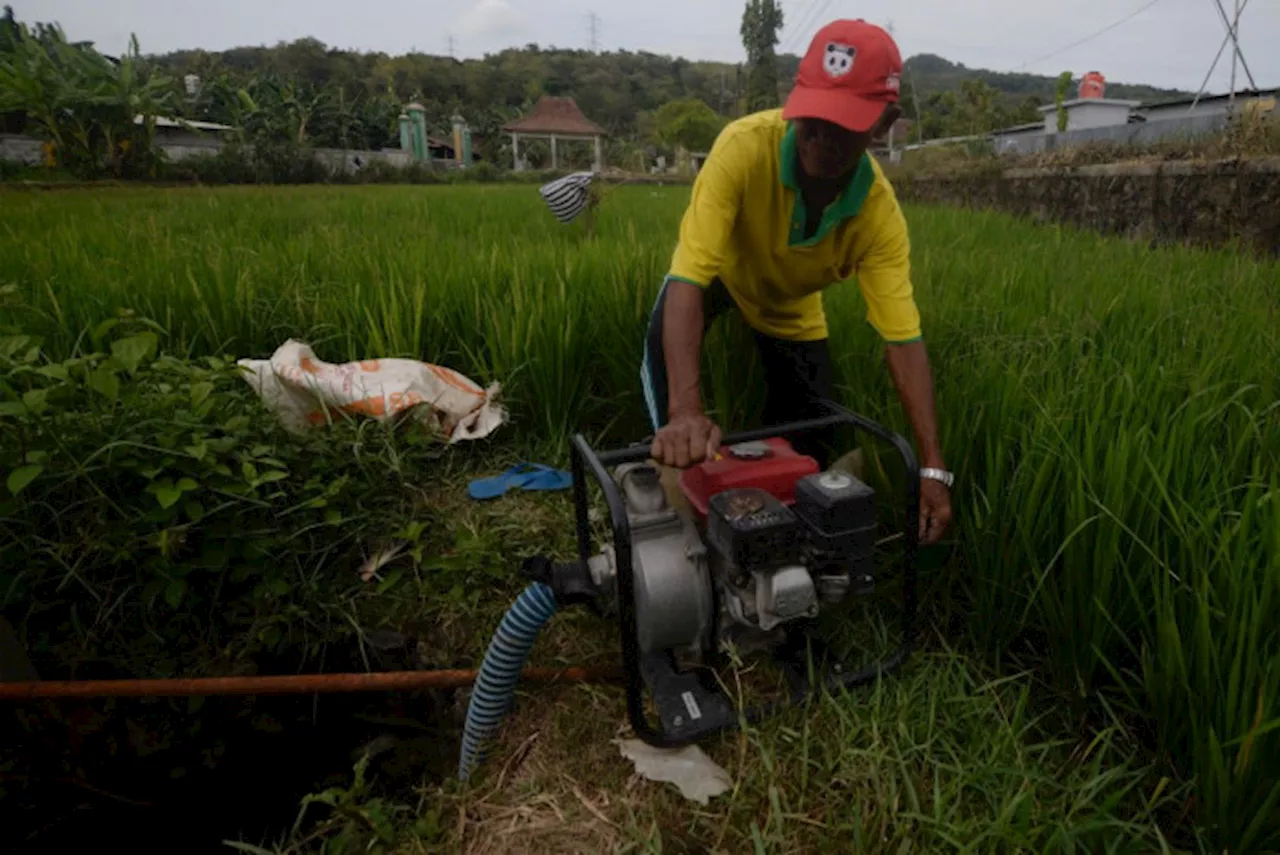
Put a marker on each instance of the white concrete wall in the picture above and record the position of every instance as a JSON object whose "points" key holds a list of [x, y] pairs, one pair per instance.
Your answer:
{"points": [[1087, 113], [27, 150], [1009, 142], [178, 151], [1100, 114], [353, 160], [21, 149], [1137, 133]]}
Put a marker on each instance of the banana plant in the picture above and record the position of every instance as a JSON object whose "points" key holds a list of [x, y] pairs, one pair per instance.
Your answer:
{"points": [[138, 95], [120, 102], [31, 83], [300, 104], [340, 122], [97, 113]]}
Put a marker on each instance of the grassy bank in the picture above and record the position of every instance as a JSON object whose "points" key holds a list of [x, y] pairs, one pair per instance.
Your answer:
{"points": [[1111, 413]]}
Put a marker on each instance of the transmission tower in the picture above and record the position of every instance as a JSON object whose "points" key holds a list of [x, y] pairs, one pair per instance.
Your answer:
{"points": [[1237, 56], [593, 25]]}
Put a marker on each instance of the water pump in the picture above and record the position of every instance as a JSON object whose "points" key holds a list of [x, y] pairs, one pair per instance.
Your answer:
{"points": [[766, 541]]}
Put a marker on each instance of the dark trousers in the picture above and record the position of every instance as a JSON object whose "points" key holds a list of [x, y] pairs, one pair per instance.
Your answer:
{"points": [[798, 374]]}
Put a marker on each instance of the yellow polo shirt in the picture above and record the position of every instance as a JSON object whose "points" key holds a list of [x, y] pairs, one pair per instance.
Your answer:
{"points": [[745, 225]]}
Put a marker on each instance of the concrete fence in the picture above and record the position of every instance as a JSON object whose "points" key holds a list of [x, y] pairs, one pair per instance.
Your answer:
{"points": [[347, 161], [20, 149], [1134, 133], [1188, 202], [29, 150]]}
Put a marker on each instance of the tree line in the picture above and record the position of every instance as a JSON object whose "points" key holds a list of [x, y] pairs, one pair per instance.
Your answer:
{"points": [[305, 93]]}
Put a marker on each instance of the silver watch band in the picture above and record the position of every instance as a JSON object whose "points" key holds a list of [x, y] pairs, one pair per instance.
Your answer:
{"points": [[938, 475]]}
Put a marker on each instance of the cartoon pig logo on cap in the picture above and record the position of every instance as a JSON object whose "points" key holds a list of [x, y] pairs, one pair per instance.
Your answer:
{"points": [[837, 61]]}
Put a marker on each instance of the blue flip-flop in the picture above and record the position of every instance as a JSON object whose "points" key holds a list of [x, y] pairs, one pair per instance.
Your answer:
{"points": [[525, 476], [549, 479]]}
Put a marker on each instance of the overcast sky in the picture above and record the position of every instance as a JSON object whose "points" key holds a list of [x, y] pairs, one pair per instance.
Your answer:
{"points": [[1169, 42]]}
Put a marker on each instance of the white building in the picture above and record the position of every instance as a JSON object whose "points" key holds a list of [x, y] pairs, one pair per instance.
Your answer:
{"points": [[1210, 105], [1119, 121], [1087, 113]]}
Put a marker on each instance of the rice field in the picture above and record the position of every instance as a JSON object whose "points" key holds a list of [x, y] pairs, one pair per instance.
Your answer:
{"points": [[1111, 411]]}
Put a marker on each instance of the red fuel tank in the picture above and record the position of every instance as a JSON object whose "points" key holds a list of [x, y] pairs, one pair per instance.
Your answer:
{"points": [[771, 464], [1093, 85]]}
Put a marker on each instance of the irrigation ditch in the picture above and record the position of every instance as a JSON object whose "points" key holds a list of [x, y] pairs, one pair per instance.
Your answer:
{"points": [[192, 771]]}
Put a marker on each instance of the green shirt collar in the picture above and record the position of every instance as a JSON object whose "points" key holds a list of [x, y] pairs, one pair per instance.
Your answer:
{"points": [[846, 205]]}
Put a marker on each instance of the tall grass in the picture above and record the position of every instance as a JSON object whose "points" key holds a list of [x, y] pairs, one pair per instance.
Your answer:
{"points": [[1111, 411]]}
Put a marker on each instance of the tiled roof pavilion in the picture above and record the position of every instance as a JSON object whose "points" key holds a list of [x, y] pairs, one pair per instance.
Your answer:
{"points": [[555, 118]]}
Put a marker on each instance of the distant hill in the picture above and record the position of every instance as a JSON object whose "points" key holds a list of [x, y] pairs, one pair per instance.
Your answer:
{"points": [[931, 72], [617, 88]]}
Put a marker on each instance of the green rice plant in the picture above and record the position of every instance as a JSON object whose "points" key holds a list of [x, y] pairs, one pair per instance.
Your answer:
{"points": [[1110, 410]]}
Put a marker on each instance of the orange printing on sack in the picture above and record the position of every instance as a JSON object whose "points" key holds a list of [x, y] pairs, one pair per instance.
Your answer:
{"points": [[454, 379], [404, 400], [374, 405]]}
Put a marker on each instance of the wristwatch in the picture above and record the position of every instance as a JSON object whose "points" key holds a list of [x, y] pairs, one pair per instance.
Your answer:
{"points": [[938, 475]]}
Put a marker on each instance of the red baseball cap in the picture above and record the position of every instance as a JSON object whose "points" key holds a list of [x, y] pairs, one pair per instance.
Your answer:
{"points": [[851, 72]]}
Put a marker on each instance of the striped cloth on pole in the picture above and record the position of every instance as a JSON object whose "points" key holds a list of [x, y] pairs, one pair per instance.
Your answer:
{"points": [[568, 197]]}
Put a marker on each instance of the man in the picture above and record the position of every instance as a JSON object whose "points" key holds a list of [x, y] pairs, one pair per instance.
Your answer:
{"points": [[787, 203]]}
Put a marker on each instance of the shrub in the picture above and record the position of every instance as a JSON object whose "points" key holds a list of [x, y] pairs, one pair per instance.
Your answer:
{"points": [[155, 517]]}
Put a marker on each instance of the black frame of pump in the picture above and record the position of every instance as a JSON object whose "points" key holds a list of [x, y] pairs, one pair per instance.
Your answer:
{"points": [[684, 692]]}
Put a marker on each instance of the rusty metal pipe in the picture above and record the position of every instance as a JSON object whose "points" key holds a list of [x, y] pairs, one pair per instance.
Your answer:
{"points": [[288, 684]]}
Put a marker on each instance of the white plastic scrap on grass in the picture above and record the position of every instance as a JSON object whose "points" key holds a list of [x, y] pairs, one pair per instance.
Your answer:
{"points": [[304, 391], [689, 768]]}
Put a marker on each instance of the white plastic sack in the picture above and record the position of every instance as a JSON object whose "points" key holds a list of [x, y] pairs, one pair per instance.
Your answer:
{"points": [[689, 768], [304, 391]]}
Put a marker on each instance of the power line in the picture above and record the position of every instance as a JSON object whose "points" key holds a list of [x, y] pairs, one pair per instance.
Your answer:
{"points": [[791, 27], [802, 32], [1091, 36]]}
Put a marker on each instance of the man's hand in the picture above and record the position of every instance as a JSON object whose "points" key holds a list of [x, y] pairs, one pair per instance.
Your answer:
{"points": [[935, 510], [688, 437], [909, 366], [686, 440]]}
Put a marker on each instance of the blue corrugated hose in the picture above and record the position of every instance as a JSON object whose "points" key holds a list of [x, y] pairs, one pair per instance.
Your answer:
{"points": [[496, 683]]}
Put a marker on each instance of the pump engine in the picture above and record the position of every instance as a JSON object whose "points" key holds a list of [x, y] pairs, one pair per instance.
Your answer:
{"points": [[765, 540], [756, 543]]}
